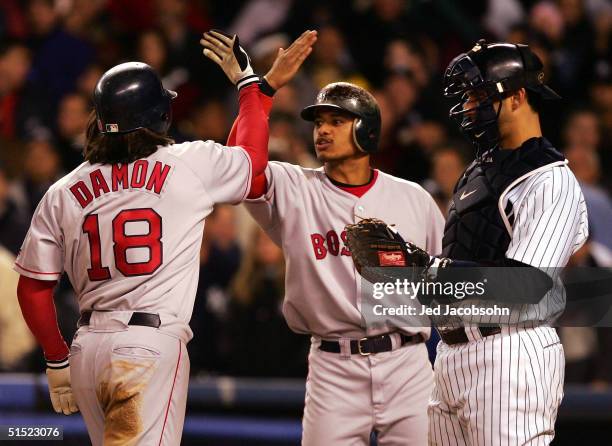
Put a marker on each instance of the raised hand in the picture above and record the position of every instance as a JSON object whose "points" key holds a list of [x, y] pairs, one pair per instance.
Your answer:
{"points": [[288, 61], [225, 51]]}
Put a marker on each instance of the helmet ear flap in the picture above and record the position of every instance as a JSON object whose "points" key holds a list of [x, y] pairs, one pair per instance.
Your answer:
{"points": [[365, 138]]}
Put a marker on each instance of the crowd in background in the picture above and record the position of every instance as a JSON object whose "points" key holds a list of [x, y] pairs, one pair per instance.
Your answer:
{"points": [[52, 53]]}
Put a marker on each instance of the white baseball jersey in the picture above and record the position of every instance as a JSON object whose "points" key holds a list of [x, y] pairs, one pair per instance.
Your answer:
{"points": [[549, 223], [506, 389], [305, 213], [129, 236]]}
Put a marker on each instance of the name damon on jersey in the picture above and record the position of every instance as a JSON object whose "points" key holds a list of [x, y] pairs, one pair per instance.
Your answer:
{"points": [[138, 175]]}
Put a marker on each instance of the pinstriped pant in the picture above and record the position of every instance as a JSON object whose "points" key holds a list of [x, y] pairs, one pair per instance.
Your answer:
{"points": [[500, 390]]}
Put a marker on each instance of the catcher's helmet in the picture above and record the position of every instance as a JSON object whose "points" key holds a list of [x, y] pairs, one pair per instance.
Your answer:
{"points": [[130, 96], [492, 71], [356, 101]]}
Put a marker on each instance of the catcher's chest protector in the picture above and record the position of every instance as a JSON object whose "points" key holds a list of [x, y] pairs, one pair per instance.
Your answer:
{"points": [[474, 228]]}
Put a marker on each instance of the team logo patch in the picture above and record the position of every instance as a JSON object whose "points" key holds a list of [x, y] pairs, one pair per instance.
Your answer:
{"points": [[391, 258], [112, 128]]}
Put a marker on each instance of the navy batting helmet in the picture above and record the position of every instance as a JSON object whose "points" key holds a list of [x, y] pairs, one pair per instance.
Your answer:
{"points": [[130, 96], [492, 71], [355, 101]]}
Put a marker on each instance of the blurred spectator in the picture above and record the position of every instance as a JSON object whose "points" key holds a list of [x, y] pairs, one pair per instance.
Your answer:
{"points": [[331, 61], [59, 57], [588, 349], [152, 49], [72, 117], [13, 23], [578, 338], [582, 129], [262, 344], [387, 20], [502, 15], [80, 17], [258, 17], [285, 144], [407, 153], [14, 221], [584, 163], [16, 341], [86, 83], [448, 163], [209, 120], [42, 167], [219, 260], [15, 59]]}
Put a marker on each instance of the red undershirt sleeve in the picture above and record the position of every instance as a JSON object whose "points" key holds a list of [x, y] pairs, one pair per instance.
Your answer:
{"points": [[36, 302], [258, 182], [252, 128]]}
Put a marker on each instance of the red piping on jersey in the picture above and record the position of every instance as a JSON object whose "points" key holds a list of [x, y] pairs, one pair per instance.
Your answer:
{"points": [[359, 191], [34, 272], [171, 392]]}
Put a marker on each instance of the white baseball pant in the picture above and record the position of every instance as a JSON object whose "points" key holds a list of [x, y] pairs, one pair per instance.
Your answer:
{"points": [[349, 396], [130, 382], [500, 390]]}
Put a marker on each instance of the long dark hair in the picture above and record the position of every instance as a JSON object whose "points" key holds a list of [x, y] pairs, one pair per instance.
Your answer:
{"points": [[108, 148]]}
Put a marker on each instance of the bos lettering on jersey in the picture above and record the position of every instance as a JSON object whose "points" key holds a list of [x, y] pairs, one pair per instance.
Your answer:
{"points": [[329, 243], [139, 175]]}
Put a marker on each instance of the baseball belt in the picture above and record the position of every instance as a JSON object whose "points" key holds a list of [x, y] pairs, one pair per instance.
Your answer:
{"points": [[458, 335], [372, 345], [138, 318]]}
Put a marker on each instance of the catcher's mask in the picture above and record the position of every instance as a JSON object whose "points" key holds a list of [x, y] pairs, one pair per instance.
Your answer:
{"points": [[491, 72], [355, 101]]}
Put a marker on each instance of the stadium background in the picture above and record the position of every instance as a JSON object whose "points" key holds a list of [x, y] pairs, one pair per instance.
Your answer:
{"points": [[248, 369]]}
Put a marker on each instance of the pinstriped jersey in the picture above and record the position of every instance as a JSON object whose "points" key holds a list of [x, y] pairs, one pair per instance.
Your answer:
{"points": [[549, 223], [129, 236]]}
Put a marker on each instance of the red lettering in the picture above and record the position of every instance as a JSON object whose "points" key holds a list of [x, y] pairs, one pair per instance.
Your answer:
{"points": [[333, 243], [158, 177], [98, 183], [81, 193], [119, 175], [139, 174], [345, 251], [318, 243]]}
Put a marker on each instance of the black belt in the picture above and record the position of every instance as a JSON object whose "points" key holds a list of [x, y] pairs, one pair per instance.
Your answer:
{"points": [[458, 335], [369, 346], [144, 319]]}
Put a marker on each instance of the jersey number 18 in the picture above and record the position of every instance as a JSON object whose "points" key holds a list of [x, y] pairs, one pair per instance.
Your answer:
{"points": [[122, 242]]}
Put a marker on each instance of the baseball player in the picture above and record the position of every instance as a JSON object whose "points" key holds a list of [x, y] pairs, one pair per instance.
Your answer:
{"points": [[359, 380], [516, 205], [126, 226]]}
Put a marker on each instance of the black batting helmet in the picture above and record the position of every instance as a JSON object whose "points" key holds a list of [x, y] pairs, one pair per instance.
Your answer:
{"points": [[130, 96], [355, 101], [492, 71]]}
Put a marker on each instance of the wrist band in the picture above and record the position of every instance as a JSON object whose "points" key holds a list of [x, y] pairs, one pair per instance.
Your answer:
{"points": [[247, 80], [61, 364], [266, 88]]}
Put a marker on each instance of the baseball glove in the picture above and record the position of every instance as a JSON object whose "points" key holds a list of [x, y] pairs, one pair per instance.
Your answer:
{"points": [[380, 254]]}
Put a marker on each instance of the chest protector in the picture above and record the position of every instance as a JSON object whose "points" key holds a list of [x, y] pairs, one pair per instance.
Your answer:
{"points": [[475, 229]]}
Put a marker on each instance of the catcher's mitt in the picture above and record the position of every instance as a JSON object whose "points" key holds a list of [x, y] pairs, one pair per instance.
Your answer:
{"points": [[377, 248]]}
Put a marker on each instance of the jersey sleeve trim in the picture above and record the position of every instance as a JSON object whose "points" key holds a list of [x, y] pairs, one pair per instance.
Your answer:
{"points": [[501, 202], [36, 274]]}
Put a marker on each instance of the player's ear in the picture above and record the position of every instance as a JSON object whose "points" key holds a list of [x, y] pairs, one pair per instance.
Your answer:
{"points": [[518, 98]]}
